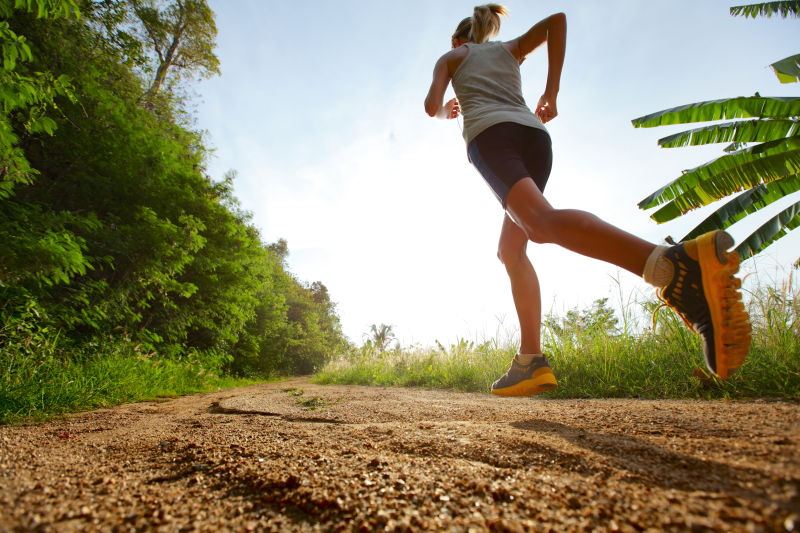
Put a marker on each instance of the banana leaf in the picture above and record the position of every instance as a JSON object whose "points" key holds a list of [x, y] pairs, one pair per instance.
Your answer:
{"points": [[734, 147], [706, 192], [702, 195], [745, 204], [732, 165], [767, 9], [787, 69], [774, 229], [725, 109], [758, 130]]}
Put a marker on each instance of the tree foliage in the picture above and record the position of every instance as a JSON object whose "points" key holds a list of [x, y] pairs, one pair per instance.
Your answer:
{"points": [[767, 171], [26, 97], [180, 35], [119, 231], [578, 325]]}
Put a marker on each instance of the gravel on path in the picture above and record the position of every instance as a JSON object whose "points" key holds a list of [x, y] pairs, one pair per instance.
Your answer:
{"points": [[294, 456]]}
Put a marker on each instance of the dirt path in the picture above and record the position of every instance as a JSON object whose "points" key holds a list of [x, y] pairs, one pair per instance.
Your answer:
{"points": [[295, 456]]}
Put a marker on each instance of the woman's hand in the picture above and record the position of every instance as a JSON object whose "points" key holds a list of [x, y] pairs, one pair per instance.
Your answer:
{"points": [[546, 108], [449, 110], [452, 108]]}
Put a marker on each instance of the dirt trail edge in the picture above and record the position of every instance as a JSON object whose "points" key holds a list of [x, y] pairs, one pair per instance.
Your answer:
{"points": [[296, 456]]}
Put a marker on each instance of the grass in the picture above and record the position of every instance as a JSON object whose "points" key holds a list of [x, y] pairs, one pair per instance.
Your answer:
{"points": [[39, 380], [593, 354], [309, 403], [651, 354]]}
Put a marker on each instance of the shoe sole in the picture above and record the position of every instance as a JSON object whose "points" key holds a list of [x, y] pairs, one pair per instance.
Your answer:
{"points": [[546, 381], [713, 255]]}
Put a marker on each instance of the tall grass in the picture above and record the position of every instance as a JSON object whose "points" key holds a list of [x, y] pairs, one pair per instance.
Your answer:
{"points": [[462, 366], [649, 353], [40, 378]]}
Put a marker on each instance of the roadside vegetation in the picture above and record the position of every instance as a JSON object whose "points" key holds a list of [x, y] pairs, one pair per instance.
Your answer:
{"points": [[127, 271], [41, 380], [597, 352]]}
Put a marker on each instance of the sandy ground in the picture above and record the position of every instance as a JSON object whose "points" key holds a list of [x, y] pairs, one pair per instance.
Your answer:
{"points": [[295, 456]]}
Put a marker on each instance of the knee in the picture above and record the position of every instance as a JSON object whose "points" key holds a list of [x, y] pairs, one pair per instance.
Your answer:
{"points": [[539, 225], [510, 255], [539, 235], [539, 228]]}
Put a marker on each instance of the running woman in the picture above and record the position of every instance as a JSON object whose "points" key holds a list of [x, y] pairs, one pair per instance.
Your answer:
{"points": [[509, 145]]}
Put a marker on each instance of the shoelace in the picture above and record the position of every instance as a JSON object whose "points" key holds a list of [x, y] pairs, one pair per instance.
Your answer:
{"points": [[519, 365], [665, 303]]}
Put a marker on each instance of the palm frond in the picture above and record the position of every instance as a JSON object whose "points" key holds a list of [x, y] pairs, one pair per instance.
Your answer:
{"points": [[787, 69], [758, 130], [745, 204], [771, 231], [724, 109], [727, 174], [767, 9]]}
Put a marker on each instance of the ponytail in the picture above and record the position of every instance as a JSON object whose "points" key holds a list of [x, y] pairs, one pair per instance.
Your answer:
{"points": [[485, 22]]}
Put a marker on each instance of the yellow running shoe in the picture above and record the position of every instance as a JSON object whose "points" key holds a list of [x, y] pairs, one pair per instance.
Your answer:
{"points": [[526, 380], [705, 293]]}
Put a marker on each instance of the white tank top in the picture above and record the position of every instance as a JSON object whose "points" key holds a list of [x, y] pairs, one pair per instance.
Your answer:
{"points": [[489, 90]]}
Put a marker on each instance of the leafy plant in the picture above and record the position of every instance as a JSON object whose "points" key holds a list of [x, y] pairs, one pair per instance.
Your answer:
{"points": [[767, 171]]}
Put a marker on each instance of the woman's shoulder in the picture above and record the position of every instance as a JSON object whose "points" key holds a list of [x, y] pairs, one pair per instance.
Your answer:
{"points": [[454, 58]]}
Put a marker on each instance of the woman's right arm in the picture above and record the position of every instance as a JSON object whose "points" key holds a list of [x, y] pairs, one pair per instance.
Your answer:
{"points": [[441, 78], [553, 31], [442, 74]]}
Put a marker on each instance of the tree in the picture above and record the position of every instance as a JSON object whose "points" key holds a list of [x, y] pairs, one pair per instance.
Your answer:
{"points": [[597, 320], [766, 171], [182, 36], [381, 336]]}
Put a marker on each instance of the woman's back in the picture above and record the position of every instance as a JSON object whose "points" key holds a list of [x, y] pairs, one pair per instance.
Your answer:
{"points": [[489, 89]]}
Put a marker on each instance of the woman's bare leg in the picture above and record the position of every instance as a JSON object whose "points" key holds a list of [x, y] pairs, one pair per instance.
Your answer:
{"points": [[687, 265], [524, 285], [579, 231]]}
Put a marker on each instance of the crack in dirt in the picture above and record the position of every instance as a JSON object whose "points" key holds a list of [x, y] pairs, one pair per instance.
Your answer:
{"points": [[217, 409]]}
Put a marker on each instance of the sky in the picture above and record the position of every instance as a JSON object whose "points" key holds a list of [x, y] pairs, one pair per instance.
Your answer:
{"points": [[319, 110]]}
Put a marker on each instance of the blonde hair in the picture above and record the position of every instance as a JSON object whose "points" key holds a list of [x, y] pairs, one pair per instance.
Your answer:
{"points": [[482, 25]]}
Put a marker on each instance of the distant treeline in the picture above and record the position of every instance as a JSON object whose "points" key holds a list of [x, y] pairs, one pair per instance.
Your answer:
{"points": [[110, 226]]}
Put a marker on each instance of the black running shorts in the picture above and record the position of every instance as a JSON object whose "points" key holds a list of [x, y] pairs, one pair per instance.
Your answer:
{"points": [[508, 152]]}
